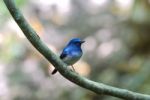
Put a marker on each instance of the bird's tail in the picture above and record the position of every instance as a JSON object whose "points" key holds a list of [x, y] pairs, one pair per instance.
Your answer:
{"points": [[54, 71]]}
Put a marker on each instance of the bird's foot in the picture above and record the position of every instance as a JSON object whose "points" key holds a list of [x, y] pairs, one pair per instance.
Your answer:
{"points": [[73, 69]]}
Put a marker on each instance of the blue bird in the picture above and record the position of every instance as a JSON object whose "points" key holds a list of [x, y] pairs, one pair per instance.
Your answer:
{"points": [[71, 53]]}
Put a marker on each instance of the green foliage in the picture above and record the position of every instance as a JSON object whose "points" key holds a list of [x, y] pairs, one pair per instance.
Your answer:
{"points": [[125, 32]]}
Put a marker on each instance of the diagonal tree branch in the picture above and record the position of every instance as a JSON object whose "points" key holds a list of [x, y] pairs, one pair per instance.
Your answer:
{"points": [[35, 40]]}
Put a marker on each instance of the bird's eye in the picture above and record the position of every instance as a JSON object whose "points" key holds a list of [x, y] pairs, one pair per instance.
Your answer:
{"points": [[77, 43]]}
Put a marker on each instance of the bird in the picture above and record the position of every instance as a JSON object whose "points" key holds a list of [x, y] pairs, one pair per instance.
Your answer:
{"points": [[71, 53]]}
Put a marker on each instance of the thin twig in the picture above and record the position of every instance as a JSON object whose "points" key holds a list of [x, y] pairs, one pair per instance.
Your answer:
{"points": [[98, 88]]}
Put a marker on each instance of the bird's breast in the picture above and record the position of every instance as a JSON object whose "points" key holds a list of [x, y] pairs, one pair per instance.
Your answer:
{"points": [[72, 58]]}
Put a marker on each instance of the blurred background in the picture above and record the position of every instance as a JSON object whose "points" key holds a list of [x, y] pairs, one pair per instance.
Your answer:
{"points": [[116, 52]]}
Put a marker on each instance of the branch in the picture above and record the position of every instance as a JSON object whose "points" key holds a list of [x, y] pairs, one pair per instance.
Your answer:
{"points": [[35, 40]]}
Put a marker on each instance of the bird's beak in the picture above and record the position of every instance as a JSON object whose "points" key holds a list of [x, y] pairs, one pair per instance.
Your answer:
{"points": [[82, 42]]}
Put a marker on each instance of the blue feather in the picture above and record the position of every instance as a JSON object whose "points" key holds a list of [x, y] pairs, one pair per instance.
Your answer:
{"points": [[72, 52]]}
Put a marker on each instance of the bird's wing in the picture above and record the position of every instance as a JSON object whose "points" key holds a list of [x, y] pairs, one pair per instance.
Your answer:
{"points": [[63, 55]]}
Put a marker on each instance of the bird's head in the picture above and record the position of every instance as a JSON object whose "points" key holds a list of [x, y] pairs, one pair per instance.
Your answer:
{"points": [[76, 42]]}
